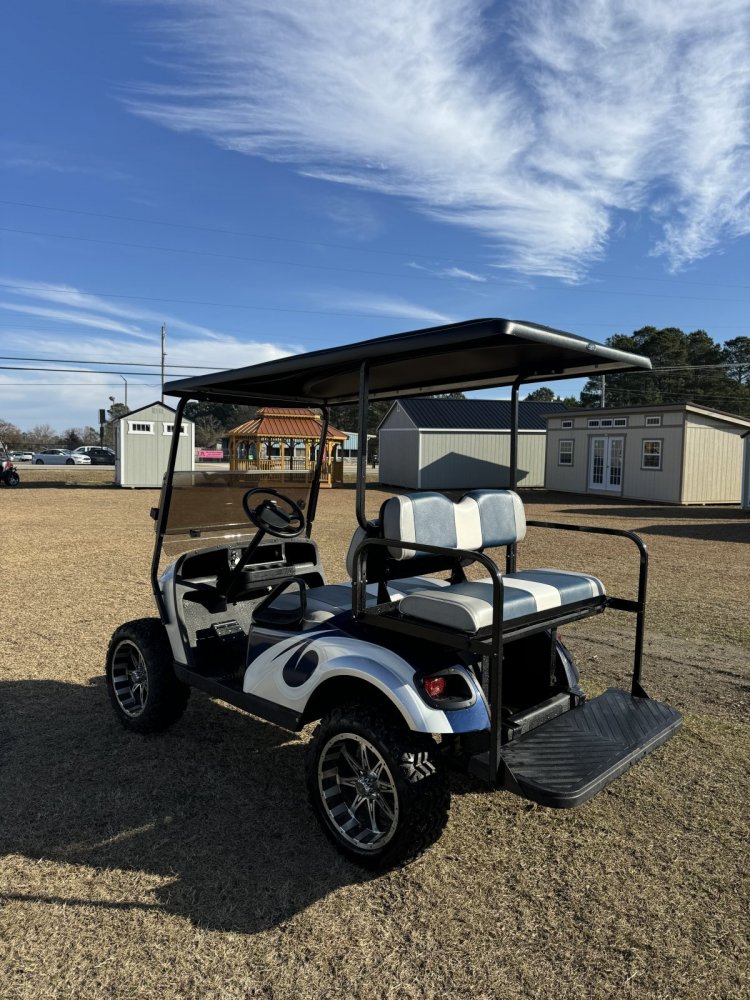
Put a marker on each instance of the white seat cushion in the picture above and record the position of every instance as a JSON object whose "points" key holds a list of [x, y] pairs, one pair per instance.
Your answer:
{"points": [[467, 606], [333, 598]]}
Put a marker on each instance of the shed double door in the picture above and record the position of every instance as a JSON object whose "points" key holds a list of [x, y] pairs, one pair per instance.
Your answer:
{"points": [[605, 463]]}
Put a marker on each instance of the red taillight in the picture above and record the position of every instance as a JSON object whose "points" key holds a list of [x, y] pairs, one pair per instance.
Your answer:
{"points": [[434, 686]]}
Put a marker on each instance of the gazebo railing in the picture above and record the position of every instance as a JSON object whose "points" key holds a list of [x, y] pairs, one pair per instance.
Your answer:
{"points": [[332, 469]]}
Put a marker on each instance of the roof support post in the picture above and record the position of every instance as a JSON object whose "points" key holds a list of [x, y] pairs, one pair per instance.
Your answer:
{"points": [[313, 504], [163, 510], [364, 399], [510, 552]]}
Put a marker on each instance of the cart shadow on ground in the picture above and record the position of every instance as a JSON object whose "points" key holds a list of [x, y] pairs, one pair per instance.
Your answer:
{"points": [[216, 807]]}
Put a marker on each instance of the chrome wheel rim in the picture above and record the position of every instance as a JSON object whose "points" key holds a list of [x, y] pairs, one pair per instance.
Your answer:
{"points": [[358, 792], [129, 678]]}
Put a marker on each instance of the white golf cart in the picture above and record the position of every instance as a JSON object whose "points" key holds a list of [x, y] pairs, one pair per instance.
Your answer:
{"points": [[409, 665]]}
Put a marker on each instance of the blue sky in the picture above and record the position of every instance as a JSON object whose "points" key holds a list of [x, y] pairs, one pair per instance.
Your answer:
{"points": [[272, 177]]}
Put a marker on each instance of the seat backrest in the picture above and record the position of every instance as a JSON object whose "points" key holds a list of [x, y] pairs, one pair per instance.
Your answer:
{"points": [[481, 519]]}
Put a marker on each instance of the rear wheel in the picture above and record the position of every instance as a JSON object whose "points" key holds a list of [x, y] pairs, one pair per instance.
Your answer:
{"points": [[39, 461], [69, 461], [12, 478], [145, 692], [379, 791]]}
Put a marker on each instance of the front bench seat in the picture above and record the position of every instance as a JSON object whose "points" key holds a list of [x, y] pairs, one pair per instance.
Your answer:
{"points": [[331, 599], [481, 519]]}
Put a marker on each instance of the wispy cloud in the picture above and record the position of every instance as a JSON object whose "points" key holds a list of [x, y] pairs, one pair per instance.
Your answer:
{"points": [[541, 129], [85, 309], [33, 157], [387, 305], [448, 272]]}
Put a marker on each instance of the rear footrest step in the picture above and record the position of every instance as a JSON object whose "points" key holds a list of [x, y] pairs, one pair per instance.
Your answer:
{"points": [[566, 761]]}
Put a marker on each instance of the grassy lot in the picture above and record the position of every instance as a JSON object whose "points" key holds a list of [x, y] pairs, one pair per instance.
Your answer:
{"points": [[187, 865]]}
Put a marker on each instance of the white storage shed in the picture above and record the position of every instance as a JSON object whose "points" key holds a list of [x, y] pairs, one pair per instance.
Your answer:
{"points": [[142, 441], [679, 453], [441, 444]]}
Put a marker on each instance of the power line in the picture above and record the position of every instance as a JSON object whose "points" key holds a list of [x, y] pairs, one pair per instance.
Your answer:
{"points": [[344, 270], [33, 384], [342, 246], [218, 305], [160, 248], [280, 309], [84, 371], [78, 361]]}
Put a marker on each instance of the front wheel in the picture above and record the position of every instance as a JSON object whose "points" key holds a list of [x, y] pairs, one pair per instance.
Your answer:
{"points": [[39, 461], [145, 691], [11, 478], [379, 791]]}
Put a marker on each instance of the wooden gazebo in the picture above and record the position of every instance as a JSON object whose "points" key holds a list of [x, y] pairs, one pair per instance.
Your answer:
{"points": [[285, 438]]}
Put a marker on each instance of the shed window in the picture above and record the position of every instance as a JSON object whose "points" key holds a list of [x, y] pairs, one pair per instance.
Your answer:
{"points": [[594, 423], [620, 422], [566, 424], [565, 452], [169, 429], [140, 427], [653, 421], [607, 422], [651, 455]]}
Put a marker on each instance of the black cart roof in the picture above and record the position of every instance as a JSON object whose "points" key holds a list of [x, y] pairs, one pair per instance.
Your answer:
{"points": [[475, 354]]}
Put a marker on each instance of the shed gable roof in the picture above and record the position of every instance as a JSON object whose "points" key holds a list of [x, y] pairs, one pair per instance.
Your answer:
{"points": [[476, 414], [170, 410]]}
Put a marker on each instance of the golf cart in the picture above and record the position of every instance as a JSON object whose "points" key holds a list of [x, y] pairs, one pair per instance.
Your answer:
{"points": [[410, 665]]}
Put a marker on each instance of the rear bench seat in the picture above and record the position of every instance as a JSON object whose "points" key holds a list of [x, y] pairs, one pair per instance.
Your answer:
{"points": [[481, 519]]}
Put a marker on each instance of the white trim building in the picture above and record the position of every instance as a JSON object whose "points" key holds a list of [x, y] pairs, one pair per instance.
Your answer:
{"points": [[142, 441], [679, 453], [441, 444]]}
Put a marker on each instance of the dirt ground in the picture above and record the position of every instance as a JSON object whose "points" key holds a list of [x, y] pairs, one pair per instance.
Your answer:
{"points": [[187, 865]]}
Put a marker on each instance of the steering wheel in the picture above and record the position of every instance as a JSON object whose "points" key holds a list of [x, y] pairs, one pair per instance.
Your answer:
{"points": [[270, 517]]}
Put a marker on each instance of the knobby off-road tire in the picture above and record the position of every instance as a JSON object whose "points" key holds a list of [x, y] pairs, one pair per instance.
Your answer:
{"points": [[356, 754], [145, 692]]}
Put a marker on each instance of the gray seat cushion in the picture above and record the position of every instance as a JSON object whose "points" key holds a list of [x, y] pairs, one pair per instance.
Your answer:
{"points": [[467, 606], [481, 519]]}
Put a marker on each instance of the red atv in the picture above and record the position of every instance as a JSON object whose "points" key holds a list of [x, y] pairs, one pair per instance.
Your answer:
{"points": [[8, 472]]}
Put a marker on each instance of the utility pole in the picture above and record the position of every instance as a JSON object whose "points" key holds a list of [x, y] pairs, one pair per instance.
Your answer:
{"points": [[126, 390], [163, 356], [603, 391]]}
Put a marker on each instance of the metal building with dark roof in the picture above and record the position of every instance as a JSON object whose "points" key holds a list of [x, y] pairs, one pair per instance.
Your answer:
{"points": [[461, 443]]}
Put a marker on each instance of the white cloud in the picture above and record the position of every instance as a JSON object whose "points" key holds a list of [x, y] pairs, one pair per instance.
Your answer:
{"points": [[92, 328], [537, 126]]}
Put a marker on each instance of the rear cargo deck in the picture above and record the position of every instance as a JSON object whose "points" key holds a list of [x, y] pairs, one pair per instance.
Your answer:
{"points": [[566, 761]]}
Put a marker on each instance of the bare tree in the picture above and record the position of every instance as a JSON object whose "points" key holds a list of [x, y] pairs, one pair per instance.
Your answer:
{"points": [[40, 436], [10, 435]]}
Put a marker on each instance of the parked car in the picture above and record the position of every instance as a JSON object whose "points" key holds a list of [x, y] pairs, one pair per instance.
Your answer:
{"points": [[21, 456], [59, 456], [98, 456]]}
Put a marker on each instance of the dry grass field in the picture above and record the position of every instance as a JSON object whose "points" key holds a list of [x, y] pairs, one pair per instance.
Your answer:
{"points": [[188, 866]]}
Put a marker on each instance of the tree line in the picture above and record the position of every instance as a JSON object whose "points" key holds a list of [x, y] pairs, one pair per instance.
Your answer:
{"points": [[688, 368]]}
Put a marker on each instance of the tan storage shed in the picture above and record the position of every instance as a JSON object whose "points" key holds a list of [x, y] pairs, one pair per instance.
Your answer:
{"points": [[678, 453], [142, 441], [443, 444]]}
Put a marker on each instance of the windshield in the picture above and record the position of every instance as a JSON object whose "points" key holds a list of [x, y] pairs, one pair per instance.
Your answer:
{"points": [[206, 507]]}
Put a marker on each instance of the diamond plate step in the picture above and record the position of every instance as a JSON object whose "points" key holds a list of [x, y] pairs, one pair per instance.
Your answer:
{"points": [[566, 761]]}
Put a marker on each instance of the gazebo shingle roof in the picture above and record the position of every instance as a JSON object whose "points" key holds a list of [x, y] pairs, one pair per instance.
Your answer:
{"points": [[289, 422]]}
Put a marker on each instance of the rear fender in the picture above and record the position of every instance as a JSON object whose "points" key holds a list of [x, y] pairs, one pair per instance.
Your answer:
{"points": [[290, 672]]}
